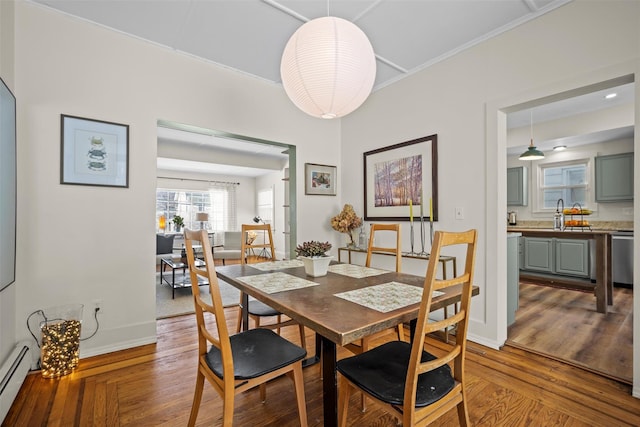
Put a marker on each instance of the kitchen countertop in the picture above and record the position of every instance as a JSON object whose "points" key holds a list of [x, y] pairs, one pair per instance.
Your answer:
{"points": [[595, 226], [550, 232]]}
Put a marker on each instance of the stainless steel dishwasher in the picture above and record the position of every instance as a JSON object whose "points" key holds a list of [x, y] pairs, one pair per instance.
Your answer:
{"points": [[622, 257]]}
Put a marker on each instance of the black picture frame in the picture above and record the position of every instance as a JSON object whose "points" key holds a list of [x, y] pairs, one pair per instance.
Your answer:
{"points": [[93, 152], [386, 194]]}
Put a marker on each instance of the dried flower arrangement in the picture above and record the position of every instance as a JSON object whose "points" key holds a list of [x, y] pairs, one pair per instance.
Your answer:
{"points": [[346, 221]]}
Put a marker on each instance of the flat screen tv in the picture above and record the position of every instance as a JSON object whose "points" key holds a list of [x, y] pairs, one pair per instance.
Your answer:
{"points": [[7, 186]]}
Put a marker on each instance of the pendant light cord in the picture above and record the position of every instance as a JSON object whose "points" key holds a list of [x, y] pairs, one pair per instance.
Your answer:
{"points": [[531, 112]]}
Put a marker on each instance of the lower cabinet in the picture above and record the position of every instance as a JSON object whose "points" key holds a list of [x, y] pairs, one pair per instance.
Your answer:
{"points": [[538, 254], [568, 257], [572, 257]]}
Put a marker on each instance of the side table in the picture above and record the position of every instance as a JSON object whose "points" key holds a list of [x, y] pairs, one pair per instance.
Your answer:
{"points": [[186, 279]]}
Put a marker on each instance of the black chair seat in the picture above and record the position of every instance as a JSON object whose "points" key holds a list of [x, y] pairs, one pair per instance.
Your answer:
{"points": [[258, 308], [382, 372], [255, 353]]}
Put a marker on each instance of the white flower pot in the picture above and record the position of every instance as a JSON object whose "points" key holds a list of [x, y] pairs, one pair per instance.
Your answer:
{"points": [[316, 266]]}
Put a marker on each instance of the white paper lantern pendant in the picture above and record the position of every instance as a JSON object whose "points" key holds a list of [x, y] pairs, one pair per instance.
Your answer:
{"points": [[328, 67]]}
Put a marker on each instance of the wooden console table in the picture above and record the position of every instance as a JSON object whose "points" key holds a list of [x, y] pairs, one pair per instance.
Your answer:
{"points": [[444, 259]]}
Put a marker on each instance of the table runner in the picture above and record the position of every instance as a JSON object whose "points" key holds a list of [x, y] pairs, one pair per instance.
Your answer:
{"points": [[271, 283], [386, 297]]}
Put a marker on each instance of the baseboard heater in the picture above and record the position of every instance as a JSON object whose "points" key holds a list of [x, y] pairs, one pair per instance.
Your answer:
{"points": [[12, 375]]}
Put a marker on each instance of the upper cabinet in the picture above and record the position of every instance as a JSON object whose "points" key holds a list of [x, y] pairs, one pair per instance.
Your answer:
{"points": [[517, 194], [614, 178]]}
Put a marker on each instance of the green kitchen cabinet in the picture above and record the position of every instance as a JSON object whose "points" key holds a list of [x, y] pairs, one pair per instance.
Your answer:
{"points": [[614, 178], [517, 186], [539, 254], [572, 257]]}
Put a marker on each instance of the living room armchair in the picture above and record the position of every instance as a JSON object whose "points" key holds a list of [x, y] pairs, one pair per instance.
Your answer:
{"points": [[164, 247], [231, 248]]}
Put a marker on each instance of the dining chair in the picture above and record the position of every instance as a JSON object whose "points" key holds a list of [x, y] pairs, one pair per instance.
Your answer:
{"points": [[258, 310], [364, 344], [415, 385], [236, 363]]}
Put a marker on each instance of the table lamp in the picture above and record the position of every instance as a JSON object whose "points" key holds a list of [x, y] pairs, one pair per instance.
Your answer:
{"points": [[202, 217]]}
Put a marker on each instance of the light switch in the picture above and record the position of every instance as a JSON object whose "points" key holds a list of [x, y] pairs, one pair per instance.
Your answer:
{"points": [[459, 213]]}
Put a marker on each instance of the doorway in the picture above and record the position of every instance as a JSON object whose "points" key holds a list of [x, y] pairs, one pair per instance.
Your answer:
{"points": [[557, 322], [225, 176]]}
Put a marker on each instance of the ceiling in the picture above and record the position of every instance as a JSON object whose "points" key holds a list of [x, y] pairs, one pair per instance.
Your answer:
{"points": [[248, 36]]}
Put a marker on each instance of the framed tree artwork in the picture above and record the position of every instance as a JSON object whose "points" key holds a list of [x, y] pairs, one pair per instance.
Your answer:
{"points": [[401, 181]]}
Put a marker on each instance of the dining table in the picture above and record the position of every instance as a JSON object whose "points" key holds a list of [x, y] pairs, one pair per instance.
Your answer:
{"points": [[347, 304]]}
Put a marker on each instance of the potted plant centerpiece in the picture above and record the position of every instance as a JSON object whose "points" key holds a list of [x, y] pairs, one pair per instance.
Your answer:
{"points": [[314, 256], [178, 222]]}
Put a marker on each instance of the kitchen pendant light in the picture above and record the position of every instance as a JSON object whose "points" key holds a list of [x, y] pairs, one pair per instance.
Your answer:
{"points": [[532, 152], [328, 67]]}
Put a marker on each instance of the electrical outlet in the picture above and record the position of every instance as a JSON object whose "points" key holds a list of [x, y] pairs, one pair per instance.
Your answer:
{"points": [[97, 305], [459, 213]]}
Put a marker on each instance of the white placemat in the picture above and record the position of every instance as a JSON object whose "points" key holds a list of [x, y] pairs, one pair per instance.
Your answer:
{"points": [[278, 265], [355, 271], [386, 297], [271, 283]]}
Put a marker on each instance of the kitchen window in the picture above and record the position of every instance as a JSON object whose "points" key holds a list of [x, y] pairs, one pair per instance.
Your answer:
{"points": [[567, 180]]}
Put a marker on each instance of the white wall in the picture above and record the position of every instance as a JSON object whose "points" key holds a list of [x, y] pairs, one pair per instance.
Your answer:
{"points": [[459, 99], [82, 243]]}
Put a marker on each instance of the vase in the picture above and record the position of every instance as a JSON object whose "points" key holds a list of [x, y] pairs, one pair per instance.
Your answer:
{"points": [[316, 266], [351, 243]]}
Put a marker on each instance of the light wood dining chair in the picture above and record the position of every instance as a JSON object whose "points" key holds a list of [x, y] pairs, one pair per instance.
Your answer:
{"points": [[362, 345], [417, 386], [257, 309], [234, 364]]}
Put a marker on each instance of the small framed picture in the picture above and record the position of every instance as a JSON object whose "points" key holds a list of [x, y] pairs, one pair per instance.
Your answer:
{"points": [[320, 179], [94, 152]]}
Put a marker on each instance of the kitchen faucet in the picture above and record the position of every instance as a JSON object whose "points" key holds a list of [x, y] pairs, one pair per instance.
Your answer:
{"points": [[558, 217]]}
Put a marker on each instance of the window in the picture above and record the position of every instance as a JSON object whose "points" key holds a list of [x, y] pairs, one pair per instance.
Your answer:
{"points": [[567, 181], [219, 202]]}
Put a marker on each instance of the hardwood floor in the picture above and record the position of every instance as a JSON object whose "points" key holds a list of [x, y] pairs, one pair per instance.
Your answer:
{"points": [[152, 385], [564, 324]]}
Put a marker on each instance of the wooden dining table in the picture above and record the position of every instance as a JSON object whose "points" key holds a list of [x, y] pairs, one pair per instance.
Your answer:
{"points": [[335, 320]]}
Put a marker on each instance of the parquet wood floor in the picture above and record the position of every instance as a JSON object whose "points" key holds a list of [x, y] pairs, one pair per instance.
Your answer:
{"points": [[153, 385]]}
